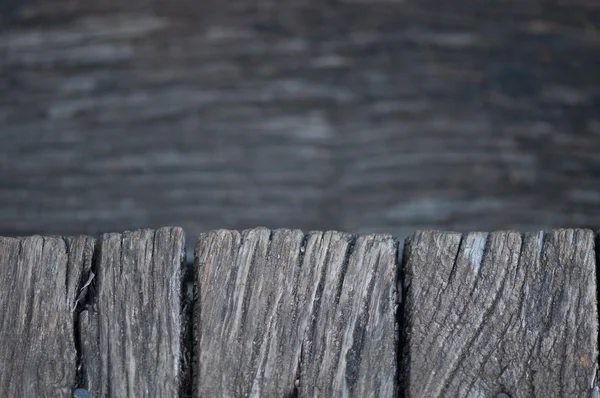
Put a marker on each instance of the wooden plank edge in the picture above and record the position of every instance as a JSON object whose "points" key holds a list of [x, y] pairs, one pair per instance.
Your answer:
{"points": [[397, 309], [404, 317], [595, 385], [87, 294]]}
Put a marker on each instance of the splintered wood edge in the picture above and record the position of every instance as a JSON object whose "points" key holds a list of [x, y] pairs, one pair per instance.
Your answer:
{"points": [[322, 272], [38, 354], [138, 293], [240, 274]]}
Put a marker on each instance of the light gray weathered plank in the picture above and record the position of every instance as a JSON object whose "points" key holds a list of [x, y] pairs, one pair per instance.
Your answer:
{"points": [[131, 329], [501, 312], [39, 282], [279, 313]]}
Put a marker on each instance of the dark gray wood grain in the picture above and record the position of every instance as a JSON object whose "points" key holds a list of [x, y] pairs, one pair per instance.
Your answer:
{"points": [[501, 312], [280, 313], [39, 283], [350, 348], [466, 115], [131, 329]]}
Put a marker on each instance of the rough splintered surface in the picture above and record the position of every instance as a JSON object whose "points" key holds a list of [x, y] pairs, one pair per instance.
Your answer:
{"points": [[39, 280], [516, 314], [280, 313], [131, 329]]}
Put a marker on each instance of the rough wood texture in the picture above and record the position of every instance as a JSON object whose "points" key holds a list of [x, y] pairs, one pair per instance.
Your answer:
{"points": [[279, 313], [39, 283], [496, 312], [131, 328], [357, 115], [351, 347]]}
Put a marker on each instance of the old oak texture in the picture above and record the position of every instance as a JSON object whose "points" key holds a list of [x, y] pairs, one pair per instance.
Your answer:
{"points": [[39, 284], [283, 313], [131, 328], [486, 313]]}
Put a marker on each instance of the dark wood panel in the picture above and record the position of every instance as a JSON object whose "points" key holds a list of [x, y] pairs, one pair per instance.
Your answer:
{"points": [[363, 116], [40, 279], [131, 327], [501, 312]]}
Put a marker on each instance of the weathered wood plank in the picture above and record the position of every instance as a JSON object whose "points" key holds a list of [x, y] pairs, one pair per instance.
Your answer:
{"points": [[270, 303], [351, 347], [39, 282], [500, 312], [241, 288], [131, 329]]}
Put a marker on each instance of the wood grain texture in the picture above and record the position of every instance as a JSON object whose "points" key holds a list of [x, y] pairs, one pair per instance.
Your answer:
{"points": [[39, 283], [270, 303], [466, 115], [131, 328], [351, 346], [501, 312]]}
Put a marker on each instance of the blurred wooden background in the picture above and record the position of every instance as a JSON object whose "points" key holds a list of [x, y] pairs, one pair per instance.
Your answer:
{"points": [[382, 115]]}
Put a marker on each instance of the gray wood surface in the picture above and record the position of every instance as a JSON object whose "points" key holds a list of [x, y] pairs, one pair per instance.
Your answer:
{"points": [[282, 313], [279, 313], [131, 327], [357, 115], [501, 312], [39, 284]]}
